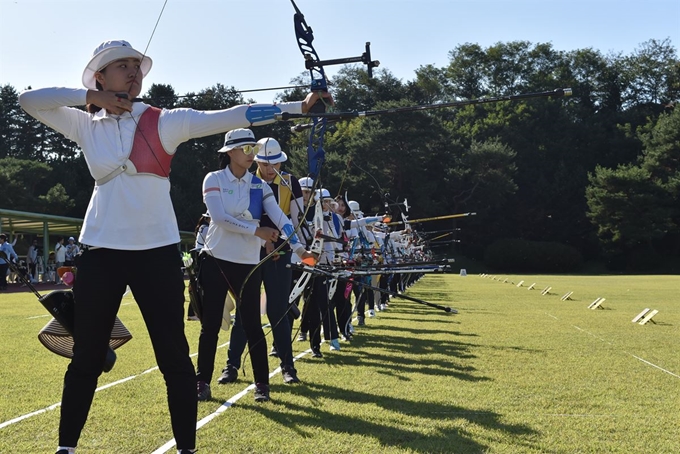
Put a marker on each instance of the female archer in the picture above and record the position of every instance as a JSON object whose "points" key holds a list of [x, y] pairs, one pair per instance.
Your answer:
{"points": [[276, 273], [130, 230], [237, 201]]}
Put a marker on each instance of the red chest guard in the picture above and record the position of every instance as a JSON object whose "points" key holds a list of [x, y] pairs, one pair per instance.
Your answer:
{"points": [[148, 154]]}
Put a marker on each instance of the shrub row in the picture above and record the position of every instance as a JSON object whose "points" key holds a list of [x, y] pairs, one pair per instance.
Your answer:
{"points": [[516, 255]]}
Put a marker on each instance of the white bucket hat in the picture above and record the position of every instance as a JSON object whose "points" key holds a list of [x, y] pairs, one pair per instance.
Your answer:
{"points": [[236, 138], [269, 150], [108, 52]]}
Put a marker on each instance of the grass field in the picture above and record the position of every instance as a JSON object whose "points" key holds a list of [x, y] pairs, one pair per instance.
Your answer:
{"points": [[514, 372]]}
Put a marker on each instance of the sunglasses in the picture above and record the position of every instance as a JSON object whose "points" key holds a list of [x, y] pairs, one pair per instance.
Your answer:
{"points": [[248, 149]]}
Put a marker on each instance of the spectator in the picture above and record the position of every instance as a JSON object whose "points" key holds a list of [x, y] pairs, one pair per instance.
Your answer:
{"points": [[4, 265], [59, 258], [32, 261], [72, 250]]}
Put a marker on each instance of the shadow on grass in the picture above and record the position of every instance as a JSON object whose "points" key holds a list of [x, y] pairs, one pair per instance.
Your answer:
{"points": [[431, 315], [408, 355], [391, 430], [425, 331]]}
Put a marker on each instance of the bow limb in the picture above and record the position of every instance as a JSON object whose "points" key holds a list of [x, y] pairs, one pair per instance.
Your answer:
{"points": [[305, 37], [299, 287]]}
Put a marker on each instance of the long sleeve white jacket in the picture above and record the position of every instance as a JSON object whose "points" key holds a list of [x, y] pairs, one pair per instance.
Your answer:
{"points": [[132, 212]]}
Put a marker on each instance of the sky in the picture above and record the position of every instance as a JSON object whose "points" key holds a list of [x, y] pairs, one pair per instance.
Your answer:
{"points": [[251, 43]]}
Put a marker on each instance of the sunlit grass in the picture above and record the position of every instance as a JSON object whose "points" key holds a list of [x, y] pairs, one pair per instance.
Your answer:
{"points": [[514, 371]]}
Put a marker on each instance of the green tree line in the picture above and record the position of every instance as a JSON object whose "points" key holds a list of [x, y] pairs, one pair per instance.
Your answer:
{"points": [[597, 172]]}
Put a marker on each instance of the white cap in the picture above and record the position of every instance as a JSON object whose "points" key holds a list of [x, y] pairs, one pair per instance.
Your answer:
{"points": [[306, 183], [324, 194], [354, 205], [237, 138], [108, 52], [269, 150]]}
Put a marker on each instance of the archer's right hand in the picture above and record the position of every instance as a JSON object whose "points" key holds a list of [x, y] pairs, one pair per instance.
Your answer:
{"points": [[115, 103], [267, 233]]}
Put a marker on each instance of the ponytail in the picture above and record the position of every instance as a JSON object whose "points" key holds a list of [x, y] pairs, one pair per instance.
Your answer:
{"points": [[91, 108], [224, 160]]}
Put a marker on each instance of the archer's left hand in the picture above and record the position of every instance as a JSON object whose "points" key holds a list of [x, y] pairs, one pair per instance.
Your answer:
{"points": [[315, 96], [308, 255]]}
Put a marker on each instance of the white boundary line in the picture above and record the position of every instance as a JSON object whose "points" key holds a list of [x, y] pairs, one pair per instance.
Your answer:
{"points": [[224, 407], [101, 388], [654, 365], [594, 335], [628, 353]]}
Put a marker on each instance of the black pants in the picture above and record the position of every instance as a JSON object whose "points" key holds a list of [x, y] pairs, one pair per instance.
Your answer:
{"points": [[363, 295], [276, 279], [217, 277], [343, 307], [156, 280], [384, 278], [319, 311], [3, 275], [393, 280], [31, 271]]}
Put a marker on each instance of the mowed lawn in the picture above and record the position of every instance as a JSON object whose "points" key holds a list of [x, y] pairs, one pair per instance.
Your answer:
{"points": [[514, 372]]}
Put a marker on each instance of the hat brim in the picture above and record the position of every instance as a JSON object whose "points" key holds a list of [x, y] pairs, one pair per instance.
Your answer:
{"points": [[108, 56], [226, 148], [282, 158]]}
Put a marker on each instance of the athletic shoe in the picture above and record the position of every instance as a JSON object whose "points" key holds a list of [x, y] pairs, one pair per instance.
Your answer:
{"points": [[273, 352], [383, 307], [203, 391], [316, 352], [335, 344], [289, 375], [229, 375], [192, 318], [302, 337], [261, 392], [361, 321], [371, 313], [350, 328]]}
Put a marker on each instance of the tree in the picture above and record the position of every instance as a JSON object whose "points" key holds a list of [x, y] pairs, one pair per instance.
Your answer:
{"points": [[630, 210], [9, 121], [636, 206], [26, 187], [653, 74], [195, 158]]}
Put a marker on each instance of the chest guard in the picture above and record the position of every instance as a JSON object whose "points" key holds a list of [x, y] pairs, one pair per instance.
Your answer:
{"points": [[147, 157]]}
